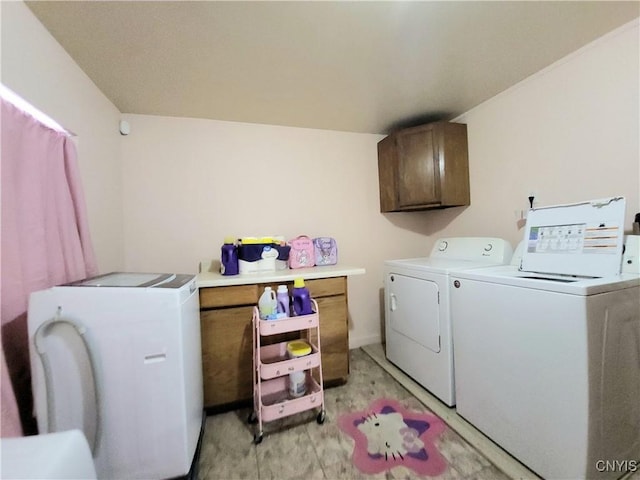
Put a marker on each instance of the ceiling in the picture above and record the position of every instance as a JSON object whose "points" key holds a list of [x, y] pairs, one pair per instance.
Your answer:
{"points": [[355, 66]]}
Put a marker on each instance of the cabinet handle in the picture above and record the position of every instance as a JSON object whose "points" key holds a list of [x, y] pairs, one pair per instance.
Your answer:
{"points": [[291, 369], [281, 409], [313, 399], [394, 302]]}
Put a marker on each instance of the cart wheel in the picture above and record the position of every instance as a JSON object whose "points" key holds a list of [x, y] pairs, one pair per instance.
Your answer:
{"points": [[321, 417], [253, 418], [257, 438]]}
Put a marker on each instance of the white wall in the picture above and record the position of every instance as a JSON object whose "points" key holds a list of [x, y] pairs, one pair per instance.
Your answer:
{"points": [[190, 182], [569, 133], [38, 69], [180, 185]]}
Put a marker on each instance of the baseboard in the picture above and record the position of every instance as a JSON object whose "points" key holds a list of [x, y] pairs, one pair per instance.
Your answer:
{"points": [[357, 342]]}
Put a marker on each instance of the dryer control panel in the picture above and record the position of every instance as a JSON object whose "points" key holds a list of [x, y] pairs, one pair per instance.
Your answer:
{"points": [[490, 249]]}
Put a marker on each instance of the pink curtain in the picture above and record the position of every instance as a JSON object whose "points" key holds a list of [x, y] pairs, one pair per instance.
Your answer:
{"points": [[45, 241]]}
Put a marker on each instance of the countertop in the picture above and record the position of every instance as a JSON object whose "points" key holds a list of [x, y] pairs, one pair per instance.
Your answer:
{"points": [[210, 277]]}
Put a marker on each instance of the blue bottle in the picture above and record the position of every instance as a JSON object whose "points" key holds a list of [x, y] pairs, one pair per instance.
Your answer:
{"points": [[301, 298], [229, 258]]}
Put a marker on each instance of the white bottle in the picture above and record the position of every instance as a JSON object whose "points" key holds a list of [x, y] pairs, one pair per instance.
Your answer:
{"points": [[297, 384], [298, 380], [268, 305]]}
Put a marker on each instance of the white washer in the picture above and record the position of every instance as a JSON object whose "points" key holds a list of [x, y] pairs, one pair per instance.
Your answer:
{"points": [[119, 357], [417, 323], [548, 365]]}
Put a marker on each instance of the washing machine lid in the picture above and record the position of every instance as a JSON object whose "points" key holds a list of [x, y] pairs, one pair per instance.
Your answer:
{"points": [[125, 279], [581, 239], [513, 276]]}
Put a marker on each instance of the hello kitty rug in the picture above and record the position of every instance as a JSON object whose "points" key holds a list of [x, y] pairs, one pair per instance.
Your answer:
{"points": [[387, 435]]}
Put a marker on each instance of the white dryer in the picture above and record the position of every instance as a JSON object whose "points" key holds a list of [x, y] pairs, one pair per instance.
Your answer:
{"points": [[548, 350], [417, 323]]}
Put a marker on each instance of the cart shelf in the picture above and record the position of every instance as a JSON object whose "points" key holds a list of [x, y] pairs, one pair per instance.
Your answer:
{"points": [[276, 403], [272, 367], [274, 360], [289, 324]]}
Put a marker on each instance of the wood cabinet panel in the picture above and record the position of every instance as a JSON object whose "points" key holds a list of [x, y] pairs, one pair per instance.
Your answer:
{"points": [[334, 337], [326, 286], [227, 354], [227, 337], [424, 167], [387, 173], [228, 296], [418, 175]]}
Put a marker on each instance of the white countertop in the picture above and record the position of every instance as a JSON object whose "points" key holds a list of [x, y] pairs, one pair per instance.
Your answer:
{"points": [[208, 278]]}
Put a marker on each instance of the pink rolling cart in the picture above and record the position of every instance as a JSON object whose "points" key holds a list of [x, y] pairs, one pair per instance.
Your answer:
{"points": [[272, 367]]}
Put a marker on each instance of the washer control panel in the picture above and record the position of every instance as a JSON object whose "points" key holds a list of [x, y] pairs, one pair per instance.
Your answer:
{"points": [[631, 254]]}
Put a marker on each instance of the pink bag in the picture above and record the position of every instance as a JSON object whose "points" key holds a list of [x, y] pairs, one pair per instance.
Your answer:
{"points": [[302, 253]]}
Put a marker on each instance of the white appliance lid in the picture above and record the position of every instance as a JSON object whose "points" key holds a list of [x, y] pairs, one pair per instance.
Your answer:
{"points": [[582, 239], [509, 275], [459, 253], [436, 265], [125, 279]]}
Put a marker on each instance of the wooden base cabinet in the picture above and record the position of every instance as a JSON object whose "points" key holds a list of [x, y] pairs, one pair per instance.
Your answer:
{"points": [[226, 328]]}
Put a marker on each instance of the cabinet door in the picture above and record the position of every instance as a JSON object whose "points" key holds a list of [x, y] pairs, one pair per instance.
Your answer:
{"points": [[227, 355], [418, 172], [334, 337]]}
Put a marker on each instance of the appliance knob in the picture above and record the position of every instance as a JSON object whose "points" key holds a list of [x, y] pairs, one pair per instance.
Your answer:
{"points": [[456, 283], [488, 247], [443, 246]]}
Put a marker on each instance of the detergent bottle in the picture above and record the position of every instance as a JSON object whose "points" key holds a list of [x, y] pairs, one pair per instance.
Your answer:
{"points": [[301, 298], [267, 304], [229, 257], [283, 300]]}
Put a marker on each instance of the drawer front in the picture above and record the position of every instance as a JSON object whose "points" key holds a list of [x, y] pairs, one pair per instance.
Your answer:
{"points": [[325, 287], [213, 297]]}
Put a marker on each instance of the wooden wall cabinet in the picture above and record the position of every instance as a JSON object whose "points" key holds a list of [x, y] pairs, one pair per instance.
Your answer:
{"points": [[424, 167], [226, 329]]}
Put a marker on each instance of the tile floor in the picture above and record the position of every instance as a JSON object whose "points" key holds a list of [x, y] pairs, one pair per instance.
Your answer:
{"points": [[297, 447], [496, 455]]}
